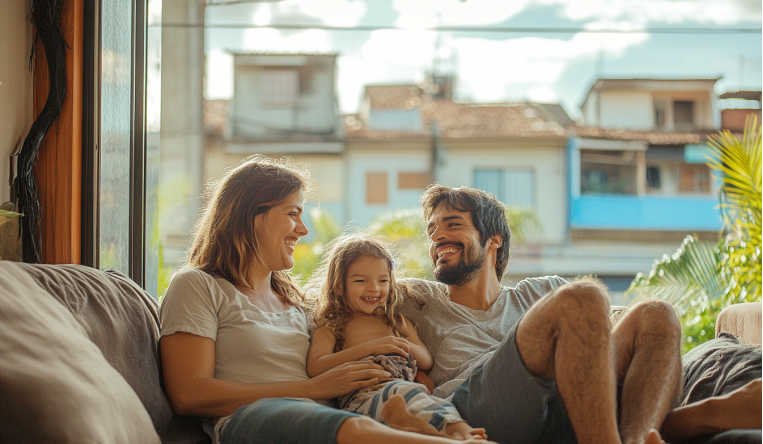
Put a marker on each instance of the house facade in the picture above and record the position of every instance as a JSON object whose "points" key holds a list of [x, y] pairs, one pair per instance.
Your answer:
{"points": [[638, 182], [611, 194], [284, 105], [404, 139]]}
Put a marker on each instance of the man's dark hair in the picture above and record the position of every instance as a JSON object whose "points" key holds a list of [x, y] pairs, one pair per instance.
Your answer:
{"points": [[488, 215]]}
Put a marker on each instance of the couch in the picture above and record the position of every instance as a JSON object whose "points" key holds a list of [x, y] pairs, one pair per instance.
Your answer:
{"points": [[80, 360]]}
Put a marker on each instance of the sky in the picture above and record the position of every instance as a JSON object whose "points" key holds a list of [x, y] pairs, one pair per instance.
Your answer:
{"points": [[496, 66]]}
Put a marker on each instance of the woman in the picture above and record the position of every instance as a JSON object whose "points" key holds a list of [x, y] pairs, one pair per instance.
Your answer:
{"points": [[234, 329]]}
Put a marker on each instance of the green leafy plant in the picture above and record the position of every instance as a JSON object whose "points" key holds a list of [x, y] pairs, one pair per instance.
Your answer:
{"points": [[9, 214], [738, 160], [403, 231], [700, 278]]}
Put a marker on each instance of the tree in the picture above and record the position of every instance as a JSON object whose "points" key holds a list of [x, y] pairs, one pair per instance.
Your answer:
{"points": [[700, 279]]}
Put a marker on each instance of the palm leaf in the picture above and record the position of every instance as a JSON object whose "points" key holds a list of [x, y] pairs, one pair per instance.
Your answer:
{"points": [[739, 161], [690, 276]]}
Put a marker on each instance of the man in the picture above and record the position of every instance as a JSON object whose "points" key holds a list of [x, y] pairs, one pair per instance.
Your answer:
{"points": [[539, 362]]}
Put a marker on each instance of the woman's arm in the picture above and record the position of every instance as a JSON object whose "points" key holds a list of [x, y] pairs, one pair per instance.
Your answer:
{"points": [[188, 366], [321, 356], [418, 350]]}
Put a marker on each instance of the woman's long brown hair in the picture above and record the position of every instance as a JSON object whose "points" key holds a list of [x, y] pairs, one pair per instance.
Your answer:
{"points": [[225, 243]]}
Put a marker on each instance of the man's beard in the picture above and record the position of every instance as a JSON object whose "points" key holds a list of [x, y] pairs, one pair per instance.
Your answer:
{"points": [[462, 272]]}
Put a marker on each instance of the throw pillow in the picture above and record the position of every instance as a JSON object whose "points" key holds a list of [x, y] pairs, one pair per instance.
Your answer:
{"points": [[55, 384]]}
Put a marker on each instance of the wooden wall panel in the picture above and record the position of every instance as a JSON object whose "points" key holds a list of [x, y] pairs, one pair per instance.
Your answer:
{"points": [[59, 166]]}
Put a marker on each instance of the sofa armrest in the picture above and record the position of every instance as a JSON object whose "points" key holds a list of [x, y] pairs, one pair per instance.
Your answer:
{"points": [[741, 320]]}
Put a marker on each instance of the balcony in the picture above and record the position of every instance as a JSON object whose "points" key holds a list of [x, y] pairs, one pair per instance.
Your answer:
{"points": [[685, 213]]}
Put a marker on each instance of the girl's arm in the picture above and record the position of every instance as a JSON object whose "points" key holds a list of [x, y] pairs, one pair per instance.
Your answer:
{"points": [[321, 356], [188, 367], [418, 350]]}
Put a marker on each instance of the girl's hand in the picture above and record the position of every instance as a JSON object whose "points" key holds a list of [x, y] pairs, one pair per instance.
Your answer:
{"points": [[388, 345], [345, 378]]}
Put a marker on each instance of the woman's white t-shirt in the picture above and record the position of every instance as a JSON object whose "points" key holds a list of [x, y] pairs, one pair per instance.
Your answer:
{"points": [[251, 345]]}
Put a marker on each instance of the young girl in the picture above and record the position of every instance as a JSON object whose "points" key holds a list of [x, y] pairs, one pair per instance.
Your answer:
{"points": [[357, 318]]}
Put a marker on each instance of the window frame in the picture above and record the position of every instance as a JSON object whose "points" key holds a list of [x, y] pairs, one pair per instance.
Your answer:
{"points": [[91, 138]]}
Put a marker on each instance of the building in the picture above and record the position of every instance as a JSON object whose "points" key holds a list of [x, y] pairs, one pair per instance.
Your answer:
{"points": [[405, 138], [736, 106], [283, 105], [638, 182]]}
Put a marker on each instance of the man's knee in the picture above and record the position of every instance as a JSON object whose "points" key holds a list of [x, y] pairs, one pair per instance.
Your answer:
{"points": [[583, 301], [656, 318]]}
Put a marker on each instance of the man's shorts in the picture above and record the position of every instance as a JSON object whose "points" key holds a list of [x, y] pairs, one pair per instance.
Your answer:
{"points": [[513, 405]]}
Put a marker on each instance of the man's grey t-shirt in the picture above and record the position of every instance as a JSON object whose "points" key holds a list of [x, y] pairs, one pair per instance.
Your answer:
{"points": [[460, 338]]}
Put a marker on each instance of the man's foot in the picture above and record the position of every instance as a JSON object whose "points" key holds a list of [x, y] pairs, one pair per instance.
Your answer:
{"points": [[463, 431], [396, 415]]}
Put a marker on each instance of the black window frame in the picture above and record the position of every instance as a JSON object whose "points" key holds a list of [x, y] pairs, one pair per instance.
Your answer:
{"points": [[91, 138]]}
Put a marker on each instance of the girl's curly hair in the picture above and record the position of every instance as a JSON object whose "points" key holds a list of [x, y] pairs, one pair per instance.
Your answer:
{"points": [[331, 308]]}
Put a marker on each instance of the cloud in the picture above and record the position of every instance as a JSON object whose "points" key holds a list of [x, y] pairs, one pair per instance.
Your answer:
{"points": [[656, 12], [328, 12], [387, 57], [425, 13], [527, 67], [487, 70], [272, 40]]}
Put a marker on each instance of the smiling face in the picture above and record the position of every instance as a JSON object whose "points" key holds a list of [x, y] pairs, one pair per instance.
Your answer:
{"points": [[278, 230], [367, 284], [455, 247]]}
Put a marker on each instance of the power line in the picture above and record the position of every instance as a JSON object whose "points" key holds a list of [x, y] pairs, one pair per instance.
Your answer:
{"points": [[469, 29]]}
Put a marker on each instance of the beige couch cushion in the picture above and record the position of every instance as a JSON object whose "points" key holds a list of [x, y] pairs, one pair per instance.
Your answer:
{"points": [[741, 320], [55, 385]]}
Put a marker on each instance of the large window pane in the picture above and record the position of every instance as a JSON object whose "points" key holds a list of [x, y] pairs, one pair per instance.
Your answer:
{"points": [[115, 125], [381, 108]]}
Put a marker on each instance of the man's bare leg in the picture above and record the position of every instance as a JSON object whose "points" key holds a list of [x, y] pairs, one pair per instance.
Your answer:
{"points": [[739, 409], [647, 342], [566, 337], [368, 431]]}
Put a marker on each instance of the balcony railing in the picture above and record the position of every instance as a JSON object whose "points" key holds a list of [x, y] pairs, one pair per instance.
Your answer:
{"points": [[645, 212]]}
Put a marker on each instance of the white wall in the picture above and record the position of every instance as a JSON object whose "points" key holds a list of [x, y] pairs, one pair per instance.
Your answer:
{"points": [[626, 109], [15, 84], [547, 162]]}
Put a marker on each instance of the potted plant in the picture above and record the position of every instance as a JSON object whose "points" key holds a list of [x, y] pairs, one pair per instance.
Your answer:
{"points": [[10, 235]]}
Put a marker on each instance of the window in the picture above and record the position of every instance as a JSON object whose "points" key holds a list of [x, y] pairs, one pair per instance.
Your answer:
{"points": [[694, 178], [490, 180], [653, 178], [302, 98], [115, 121], [660, 114], [607, 172], [683, 114], [278, 87], [514, 187], [376, 188]]}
